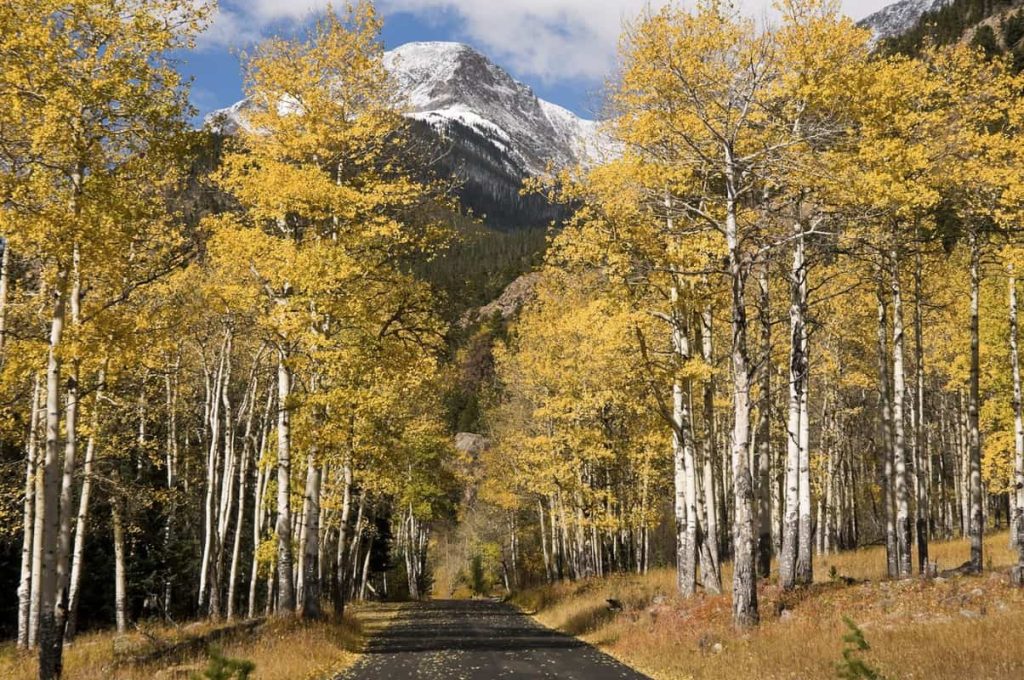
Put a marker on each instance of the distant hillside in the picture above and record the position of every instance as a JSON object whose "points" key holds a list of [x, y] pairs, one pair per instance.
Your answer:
{"points": [[997, 26]]}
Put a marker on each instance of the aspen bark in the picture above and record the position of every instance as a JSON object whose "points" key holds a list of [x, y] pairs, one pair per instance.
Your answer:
{"points": [[346, 510], [171, 462], [900, 492], [922, 476], [744, 594], [28, 515], [976, 525], [685, 482], [886, 447], [286, 584], [763, 457], [225, 477], [47, 530], [548, 575], [243, 475], [711, 578], [82, 521], [214, 388], [120, 584], [67, 487], [805, 558], [789, 568], [260, 512], [311, 541]]}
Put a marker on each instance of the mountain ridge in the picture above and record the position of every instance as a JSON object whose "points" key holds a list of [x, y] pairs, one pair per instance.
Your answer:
{"points": [[898, 18]]}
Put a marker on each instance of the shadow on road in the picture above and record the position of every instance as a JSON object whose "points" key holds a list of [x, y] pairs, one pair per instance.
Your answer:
{"points": [[476, 640], [440, 626]]}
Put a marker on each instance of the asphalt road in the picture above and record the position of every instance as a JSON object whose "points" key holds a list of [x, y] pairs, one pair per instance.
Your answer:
{"points": [[478, 640]]}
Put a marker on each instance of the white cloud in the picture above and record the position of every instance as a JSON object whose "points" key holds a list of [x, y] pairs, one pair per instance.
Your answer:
{"points": [[549, 39]]}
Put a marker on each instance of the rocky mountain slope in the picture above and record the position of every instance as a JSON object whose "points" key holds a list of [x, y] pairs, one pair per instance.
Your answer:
{"points": [[899, 17]]}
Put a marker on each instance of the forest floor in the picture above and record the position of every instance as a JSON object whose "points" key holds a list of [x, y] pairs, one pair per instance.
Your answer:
{"points": [[957, 627], [280, 649]]}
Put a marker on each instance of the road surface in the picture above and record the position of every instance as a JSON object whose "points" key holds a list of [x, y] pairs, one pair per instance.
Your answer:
{"points": [[478, 640]]}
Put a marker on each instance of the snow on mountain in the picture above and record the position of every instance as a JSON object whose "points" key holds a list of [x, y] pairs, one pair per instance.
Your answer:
{"points": [[446, 82], [892, 20], [460, 93]]}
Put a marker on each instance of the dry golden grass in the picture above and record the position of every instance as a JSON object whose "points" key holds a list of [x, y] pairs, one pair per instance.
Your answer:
{"points": [[281, 649], [956, 628]]}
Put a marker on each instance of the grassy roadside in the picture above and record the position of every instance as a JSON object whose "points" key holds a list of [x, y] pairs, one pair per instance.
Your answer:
{"points": [[280, 649], [954, 628]]}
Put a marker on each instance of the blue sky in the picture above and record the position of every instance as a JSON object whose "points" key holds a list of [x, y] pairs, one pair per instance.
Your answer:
{"points": [[561, 48]]}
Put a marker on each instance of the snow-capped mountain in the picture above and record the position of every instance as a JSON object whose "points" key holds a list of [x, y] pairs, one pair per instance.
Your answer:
{"points": [[898, 18], [450, 83], [496, 130]]}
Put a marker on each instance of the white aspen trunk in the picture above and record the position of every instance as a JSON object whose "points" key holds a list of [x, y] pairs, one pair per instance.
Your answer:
{"points": [[82, 521], [226, 478], [829, 529], [47, 511], [323, 557], [67, 487], [28, 515], [298, 528], [568, 554], [683, 457], [286, 584], [744, 591], [763, 439], [357, 535], [976, 530], [120, 585], [901, 497], [548, 575], [557, 550], [311, 541], [257, 534], [712, 579], [243, 474], [805, 558], [884, 395], [789, 571], [964, 466], [366, 570], [36, 570], [1018, 419], [259, 514], [171, 463], [214, 387], [411, 565], [346, 510], [513, 541], [922, 463]]}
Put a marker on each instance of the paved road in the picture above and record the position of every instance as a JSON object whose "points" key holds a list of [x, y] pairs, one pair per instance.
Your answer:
{"points": [[478, 640]]}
